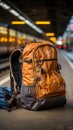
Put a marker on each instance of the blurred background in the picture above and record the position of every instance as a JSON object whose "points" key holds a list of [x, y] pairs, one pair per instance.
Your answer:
{"points": [[39, 20], [23, 21]]}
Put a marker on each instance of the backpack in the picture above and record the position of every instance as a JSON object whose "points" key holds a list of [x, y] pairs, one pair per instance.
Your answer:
{"points": [[36, 76]]}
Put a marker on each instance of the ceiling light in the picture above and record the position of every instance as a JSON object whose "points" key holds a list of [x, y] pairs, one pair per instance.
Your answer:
{"points": [[53, 39], [50, 34], [43, 22], [33, 26], [17, 22], [5, 6], [12, 11], [21, 17]]}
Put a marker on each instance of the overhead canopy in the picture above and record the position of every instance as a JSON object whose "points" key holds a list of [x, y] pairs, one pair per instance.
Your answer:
{"points": [[58, 12]]}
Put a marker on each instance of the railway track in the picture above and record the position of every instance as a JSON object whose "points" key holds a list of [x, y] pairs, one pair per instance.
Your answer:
{"points": [[4, 66]]}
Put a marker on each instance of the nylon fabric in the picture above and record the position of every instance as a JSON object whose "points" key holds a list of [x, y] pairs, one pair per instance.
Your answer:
{"points": [[42, 75]]}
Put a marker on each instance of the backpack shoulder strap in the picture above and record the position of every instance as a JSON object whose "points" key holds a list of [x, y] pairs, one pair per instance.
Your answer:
{"points": [[15, 70]]}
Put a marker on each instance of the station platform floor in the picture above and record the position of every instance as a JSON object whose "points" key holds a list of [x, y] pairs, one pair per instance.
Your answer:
{"points": [[52, 119]]}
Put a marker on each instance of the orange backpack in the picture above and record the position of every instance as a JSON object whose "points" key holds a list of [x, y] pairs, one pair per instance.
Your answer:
{"points": [[39, 80]]}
